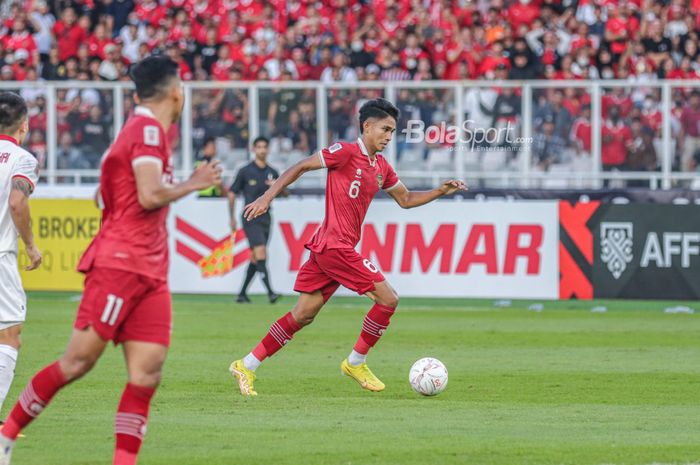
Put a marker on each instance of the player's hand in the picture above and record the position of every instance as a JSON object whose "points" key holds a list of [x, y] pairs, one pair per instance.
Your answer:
{"points": [[206, 175], [234, 225], [257, 208], [34, 258], [453, 185]]}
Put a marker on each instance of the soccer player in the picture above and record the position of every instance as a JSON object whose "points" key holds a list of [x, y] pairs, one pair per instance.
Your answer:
{"points": [[126, 298], [252, 181], [18, 176], [356, 172]]}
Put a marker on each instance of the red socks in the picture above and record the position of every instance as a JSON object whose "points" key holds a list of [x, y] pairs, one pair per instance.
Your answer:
{"points": [[130, 424], [35, 397], [373, 327], [281, 332]]}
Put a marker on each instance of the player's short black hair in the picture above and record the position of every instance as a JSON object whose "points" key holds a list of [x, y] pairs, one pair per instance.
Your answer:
{"points": [[261, 139], [378, 108], [13, 112], [152, 75]]}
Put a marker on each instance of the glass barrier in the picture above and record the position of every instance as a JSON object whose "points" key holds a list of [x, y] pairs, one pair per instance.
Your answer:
{"points": [[287, 117], [220, 124], [546, 134], [84, 131]]}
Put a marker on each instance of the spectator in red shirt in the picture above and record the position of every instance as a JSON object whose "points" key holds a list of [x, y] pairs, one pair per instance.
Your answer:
{"points": [[522, 12], [149, 11], [581, 132], [689, 137], [69, 34], [21, 39], [97, 42], [411, 54], [651, 116], [616, 136], [221, 67]]}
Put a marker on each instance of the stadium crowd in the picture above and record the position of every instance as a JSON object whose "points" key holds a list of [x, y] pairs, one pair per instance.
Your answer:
{"points": [[639, 41]]}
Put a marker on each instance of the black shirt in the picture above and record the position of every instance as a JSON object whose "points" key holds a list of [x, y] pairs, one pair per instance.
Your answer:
{"points": [[662, 46], [251, 180]]}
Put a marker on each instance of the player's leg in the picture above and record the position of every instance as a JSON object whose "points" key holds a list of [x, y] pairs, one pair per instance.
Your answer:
{"points": [[359, 274], [260, 254], [315, 288], [10, 342], [373, 327], [249, 275], [280, 333], [376, 321], [13, 305], [145, 335], [84, 349], [144, 362]]}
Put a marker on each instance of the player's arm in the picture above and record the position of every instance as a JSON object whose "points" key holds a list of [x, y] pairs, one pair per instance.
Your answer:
{"points": [[21, 216], [153, 193], [294, 172], [408, 199]]}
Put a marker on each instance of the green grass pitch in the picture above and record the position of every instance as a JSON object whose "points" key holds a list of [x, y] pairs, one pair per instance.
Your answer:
{"points": [[561, 386]]}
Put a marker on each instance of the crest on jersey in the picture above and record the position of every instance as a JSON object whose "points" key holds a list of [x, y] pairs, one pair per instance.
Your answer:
{"points": [[335, 147], [253, 182], [151, 136], [380, 180], [358, 174]]}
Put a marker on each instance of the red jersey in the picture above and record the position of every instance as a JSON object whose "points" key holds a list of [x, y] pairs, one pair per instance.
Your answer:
{"points": [[132, 238], [351, 184], [581, 132], [615, 139]]}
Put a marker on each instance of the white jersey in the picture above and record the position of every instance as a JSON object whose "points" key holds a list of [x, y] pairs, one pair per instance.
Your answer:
{"points": [[15, 162]]}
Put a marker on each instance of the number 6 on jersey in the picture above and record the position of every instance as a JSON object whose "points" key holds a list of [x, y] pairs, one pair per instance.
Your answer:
{"points": [[354, 189]]}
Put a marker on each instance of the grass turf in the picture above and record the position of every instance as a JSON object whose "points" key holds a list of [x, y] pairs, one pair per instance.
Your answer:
{"points": [[561, 386]]}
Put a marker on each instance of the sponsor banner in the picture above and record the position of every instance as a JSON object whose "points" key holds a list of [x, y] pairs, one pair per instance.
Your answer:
{"points": [[446, 249], [646, 251], [62, 231]]}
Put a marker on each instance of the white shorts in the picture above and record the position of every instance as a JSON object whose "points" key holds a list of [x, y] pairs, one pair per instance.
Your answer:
{"points": [[13, 301]]}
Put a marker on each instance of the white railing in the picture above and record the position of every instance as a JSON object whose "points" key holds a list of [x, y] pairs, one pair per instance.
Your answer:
{"points": [[519, 173]]}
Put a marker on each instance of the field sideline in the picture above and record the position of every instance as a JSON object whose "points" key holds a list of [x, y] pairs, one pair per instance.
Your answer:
{"points": [[561, 386]]}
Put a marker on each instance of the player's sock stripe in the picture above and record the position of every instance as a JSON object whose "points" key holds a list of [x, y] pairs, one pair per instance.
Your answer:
{"points": [[279, 327], [370, 322], [276, 336], [371, 333], [279, 338], [280, 330], [373, 328]]}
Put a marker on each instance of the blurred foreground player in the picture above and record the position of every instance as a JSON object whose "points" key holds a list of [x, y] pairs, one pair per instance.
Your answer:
{"points": [[126, 298], [18, 176], [356, 172]]}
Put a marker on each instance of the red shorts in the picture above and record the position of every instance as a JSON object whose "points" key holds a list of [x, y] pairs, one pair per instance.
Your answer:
{"points": [[124, 306], [327, 270]]}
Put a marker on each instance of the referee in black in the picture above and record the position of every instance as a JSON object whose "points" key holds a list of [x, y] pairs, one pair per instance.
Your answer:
{"points": [[252, 181]]}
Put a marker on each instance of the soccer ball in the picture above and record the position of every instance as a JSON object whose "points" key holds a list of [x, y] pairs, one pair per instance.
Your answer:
{"points": [[428, 376]]}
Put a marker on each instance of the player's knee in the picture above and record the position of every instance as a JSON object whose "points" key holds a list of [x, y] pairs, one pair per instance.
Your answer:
{"points": [[304, 319], [391, 300], [149, 379], [74, 367]]}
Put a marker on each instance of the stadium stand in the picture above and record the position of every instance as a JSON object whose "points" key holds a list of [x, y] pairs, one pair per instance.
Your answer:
{"points": [[342, 41]]}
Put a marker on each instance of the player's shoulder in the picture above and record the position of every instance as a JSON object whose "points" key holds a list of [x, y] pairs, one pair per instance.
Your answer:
{"points": [[23, 156], [143, 128], [342, 147]]}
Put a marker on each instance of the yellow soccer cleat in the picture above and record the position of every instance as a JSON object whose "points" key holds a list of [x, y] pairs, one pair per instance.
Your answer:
{"points": [[363, 375], [244, 376]]}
